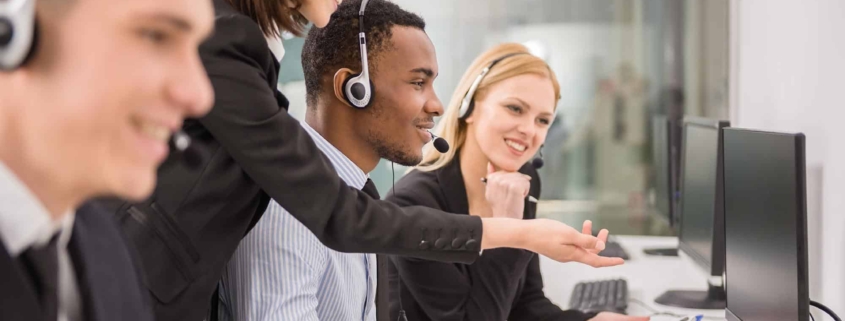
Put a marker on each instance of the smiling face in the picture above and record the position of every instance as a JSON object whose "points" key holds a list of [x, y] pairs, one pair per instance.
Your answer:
{"points": [[111, 81], [511, 119], [405, 104]]}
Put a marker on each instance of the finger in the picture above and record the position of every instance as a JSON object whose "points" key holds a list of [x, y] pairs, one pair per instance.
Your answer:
{"points": [[587, 242], [587, 228], [490, 168], [602, 236], [594, 260]]}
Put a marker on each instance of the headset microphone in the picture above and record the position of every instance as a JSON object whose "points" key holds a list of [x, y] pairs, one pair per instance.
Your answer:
{"points": [[440, 144], [180, 145]]}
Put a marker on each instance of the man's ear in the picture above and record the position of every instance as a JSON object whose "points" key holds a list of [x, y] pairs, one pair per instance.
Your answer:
{"points": [[340, 78]]}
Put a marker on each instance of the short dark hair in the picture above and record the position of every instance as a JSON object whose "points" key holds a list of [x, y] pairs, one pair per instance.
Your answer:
{"points": [[273, 16], [335, 46]]}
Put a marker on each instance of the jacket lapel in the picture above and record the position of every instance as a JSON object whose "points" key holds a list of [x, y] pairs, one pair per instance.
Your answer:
{"points": [[88, 283], [18, 300], [451, 182]]}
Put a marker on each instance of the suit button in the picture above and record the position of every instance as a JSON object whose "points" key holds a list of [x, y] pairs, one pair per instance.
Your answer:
{"points": [[424, 245], [440, 243], [471, 245], [458, 243]]}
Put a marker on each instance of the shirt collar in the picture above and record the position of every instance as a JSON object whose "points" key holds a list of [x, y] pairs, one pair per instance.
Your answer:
{"points": [[276, 47], [346, 169], [24, 221]]}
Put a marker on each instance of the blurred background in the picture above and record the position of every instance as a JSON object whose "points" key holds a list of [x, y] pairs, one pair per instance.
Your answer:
{"points": [[762, 64], [619, 62]]}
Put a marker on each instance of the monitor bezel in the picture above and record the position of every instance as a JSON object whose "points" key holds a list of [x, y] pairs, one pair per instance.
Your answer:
{"points": [[803, 280], [716, 265], [663, 122]]}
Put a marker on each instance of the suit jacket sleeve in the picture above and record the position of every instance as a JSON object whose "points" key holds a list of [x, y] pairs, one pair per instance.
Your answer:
{"points": [[532, 303], [484, 290], [274, 150]]}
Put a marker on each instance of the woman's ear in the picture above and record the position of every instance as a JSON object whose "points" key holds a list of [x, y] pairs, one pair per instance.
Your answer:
{"points": [[338, 81]]}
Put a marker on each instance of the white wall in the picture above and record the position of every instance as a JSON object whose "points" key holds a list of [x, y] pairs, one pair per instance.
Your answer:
{"points": [[788, 74]]}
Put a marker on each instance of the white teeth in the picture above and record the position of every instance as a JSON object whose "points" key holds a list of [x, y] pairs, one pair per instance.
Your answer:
{"points": [[157, 132], [516, 145]]}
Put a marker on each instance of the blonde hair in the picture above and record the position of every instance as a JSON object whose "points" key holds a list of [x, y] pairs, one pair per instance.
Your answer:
{"points": [[453, 129]]}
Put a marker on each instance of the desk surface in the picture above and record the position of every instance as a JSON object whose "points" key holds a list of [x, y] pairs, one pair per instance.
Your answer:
{"points": [[648, 277]]}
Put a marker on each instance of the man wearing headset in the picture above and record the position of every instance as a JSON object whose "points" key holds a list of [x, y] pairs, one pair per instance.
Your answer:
{"points": [[295, 277], [88, 100]]}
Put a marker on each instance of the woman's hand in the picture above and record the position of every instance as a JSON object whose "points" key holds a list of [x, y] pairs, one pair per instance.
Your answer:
{"points": [[607, 316], [587, 228], [506, 192]]}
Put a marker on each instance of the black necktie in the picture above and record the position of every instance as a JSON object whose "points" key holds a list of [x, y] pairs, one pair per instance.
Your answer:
{"points": [[382, 303], [42, 265]]}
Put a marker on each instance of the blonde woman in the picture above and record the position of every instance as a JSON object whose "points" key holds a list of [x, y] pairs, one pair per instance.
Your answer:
{"points": [[496, 121]]}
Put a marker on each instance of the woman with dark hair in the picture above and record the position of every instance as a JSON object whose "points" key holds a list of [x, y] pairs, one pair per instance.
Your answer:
{"points": [[253, 151]]}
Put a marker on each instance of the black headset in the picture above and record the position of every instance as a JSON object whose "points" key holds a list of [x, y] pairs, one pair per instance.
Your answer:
{"points": [[18, 33], [358, 89]]}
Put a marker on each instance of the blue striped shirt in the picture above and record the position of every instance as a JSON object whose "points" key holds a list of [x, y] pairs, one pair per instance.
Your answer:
{"points": [[281, 271]]}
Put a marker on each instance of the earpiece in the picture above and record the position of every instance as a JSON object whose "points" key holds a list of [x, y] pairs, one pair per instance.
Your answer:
{"points": [[358, 89], [18, 33], [468, 103], [538, 162]]}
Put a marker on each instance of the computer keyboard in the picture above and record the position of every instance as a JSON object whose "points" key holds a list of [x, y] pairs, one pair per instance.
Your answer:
{"points": [[600, 296], [613, 249]]}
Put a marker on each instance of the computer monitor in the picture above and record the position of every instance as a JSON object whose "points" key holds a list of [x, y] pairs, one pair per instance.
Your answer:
{"points": [[664, 186], [701, 207], [664, 177], [765, 227]]}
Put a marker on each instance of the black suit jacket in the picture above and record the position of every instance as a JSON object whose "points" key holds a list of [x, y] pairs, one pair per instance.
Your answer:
{"points": [[187, 231], [503, 284], [108, 281]]}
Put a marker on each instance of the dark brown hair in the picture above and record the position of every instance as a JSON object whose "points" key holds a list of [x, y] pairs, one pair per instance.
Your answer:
{"points": [[273, 16]]}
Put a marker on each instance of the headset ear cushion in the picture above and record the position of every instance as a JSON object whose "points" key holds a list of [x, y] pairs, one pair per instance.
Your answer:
{"points": [[34, 45], [346, 93], [468, 112], [343, 89]]}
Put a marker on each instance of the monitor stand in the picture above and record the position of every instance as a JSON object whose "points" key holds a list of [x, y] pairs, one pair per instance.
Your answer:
{"points": [[662, 252], [712, 299]]}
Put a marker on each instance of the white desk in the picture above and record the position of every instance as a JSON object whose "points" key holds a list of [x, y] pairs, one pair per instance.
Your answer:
{"points": [[648, 277]]}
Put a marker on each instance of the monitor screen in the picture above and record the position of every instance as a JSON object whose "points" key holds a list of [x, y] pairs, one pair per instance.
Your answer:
{"points": [[765, 226], [660, 154], [699, 191]]}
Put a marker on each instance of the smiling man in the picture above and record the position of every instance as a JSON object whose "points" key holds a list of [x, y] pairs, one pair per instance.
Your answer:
{"points": [[89, 114], [281, 271]]}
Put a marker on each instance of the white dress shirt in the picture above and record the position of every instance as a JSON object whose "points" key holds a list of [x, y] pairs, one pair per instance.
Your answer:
{"points": [[281, 271], [26, 223]]}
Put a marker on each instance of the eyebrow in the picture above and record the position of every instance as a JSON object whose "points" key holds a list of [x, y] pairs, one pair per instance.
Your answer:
{"points": [[527, 106], [427, 71], [171, 19]]}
